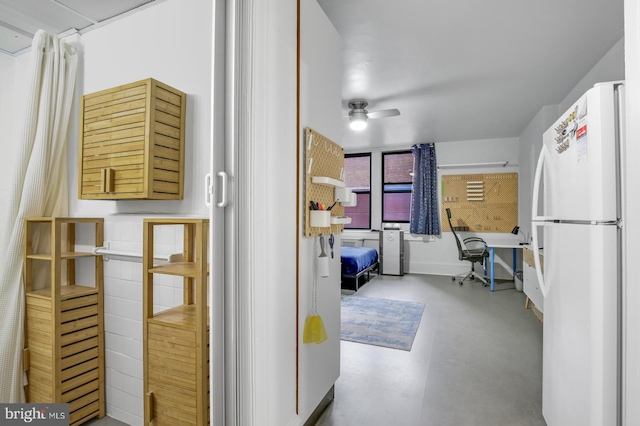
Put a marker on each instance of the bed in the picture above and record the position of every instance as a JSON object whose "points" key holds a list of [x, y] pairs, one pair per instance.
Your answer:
{"points": [[357, 261]]}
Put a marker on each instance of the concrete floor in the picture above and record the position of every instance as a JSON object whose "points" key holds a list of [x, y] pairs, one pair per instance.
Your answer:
{"points": [[476, 360]]}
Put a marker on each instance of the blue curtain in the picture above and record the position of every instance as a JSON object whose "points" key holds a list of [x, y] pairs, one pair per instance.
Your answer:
{"points": [[424, 217]]}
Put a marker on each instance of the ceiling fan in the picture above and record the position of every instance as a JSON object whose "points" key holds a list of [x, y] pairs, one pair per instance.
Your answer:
{"points": [[358, 115]]}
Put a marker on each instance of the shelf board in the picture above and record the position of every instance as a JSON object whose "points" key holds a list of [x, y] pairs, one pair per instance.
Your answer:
{"points": [[327, 181], [340, 220], [66, 292], [182, 269], [65, 219], [65, 255], [182, 316]]}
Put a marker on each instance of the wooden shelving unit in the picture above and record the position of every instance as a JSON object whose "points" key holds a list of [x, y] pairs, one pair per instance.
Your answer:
{"points": [[176, 340], [64, 327]]}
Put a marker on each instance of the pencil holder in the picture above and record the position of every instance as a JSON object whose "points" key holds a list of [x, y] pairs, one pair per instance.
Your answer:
{"points": [[342, 195], [320, 218]]}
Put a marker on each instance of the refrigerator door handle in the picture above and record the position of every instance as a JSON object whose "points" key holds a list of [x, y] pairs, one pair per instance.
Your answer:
{"points": [[544, 289], [536, 186], [538, 220]]}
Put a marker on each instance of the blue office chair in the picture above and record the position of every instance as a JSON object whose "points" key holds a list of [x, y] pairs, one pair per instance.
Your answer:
{"points": [[472, 249]]}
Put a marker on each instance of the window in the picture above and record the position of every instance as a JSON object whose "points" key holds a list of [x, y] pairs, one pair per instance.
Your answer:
{"points": [[357, 176], [397, 169]]}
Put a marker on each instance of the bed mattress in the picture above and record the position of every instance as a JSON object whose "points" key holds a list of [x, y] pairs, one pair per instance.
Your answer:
{"points": [[357, 259]]}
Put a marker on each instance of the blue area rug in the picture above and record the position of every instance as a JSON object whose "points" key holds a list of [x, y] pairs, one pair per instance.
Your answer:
{"points": [[380, 322]]}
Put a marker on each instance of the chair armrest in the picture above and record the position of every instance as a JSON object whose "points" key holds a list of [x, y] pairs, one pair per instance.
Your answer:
{"points": [[474, 240], [475, 243]]}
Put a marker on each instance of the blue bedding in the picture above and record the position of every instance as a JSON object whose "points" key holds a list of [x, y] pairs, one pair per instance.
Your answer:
{"points": [[357, 259]]}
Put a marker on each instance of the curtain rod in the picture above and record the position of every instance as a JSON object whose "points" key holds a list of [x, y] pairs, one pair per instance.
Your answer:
{"points": [[492, 164]]}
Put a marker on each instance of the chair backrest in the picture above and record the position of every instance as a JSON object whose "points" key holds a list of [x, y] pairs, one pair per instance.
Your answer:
{"points": [[459, 244]]}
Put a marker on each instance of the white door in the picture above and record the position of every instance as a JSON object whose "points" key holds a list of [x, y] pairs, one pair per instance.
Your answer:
{"points": [[580, 321], [221, 254], [579, 163]]}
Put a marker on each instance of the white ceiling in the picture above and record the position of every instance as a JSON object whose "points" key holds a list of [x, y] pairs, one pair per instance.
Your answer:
{"points": [[456, 69], [465, 69], [20, 19]]}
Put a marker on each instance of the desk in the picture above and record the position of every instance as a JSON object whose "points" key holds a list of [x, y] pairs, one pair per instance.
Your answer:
{"points": [[492, 245]]}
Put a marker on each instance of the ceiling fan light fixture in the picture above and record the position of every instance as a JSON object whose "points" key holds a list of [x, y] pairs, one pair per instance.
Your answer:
{"points": [[357, 120], [358, 115]]}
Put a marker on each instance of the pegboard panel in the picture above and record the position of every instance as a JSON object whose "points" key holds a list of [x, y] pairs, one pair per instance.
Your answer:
{"points": [[480, 202], [324, 159]]}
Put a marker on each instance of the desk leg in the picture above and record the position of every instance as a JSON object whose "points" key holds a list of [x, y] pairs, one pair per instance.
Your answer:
{"points": [[514, 265], [492, 257]]}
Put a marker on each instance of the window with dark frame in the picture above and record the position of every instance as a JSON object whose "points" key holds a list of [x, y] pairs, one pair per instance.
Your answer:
{"points": [[397, 170], [357, 176]]}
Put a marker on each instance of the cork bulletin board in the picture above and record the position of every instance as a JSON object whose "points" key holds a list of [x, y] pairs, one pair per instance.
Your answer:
{"points": [[480, 202], [324, 159]]}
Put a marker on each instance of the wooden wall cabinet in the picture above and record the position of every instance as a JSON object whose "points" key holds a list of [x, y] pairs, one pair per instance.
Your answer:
{"points": [[64, 323], [132, 143], [176, 340]]}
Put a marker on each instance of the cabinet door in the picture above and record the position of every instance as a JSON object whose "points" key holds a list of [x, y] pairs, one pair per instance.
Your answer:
{"points": [[532, 287], [113, 143]]}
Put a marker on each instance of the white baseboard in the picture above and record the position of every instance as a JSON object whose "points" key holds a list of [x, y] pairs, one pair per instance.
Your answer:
{"points": [[448, 269]]}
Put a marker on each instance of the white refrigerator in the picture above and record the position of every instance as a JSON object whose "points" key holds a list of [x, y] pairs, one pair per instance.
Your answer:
{"points": [[580, 216]]}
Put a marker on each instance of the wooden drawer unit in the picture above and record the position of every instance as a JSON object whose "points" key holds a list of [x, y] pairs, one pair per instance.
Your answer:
{"points": [[132, 143], [64, 327], [176, 340]]}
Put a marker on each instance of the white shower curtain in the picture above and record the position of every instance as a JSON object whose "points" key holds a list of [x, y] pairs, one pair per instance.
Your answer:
{"points": [[39, 188]]}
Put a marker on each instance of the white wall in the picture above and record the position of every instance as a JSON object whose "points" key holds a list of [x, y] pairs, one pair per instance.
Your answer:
{"points": [[609, 68], [7, 120], [320, 109], [13, 76]]}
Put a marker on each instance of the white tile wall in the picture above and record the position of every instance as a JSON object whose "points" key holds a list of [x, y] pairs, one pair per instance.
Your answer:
{"points": [[123, 311]]}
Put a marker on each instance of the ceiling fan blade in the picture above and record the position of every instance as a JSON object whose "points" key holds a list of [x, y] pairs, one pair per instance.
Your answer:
{"points": [[383, 113]]}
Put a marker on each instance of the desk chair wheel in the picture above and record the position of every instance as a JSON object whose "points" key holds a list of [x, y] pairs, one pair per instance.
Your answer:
{"points": [[460, 282]]}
